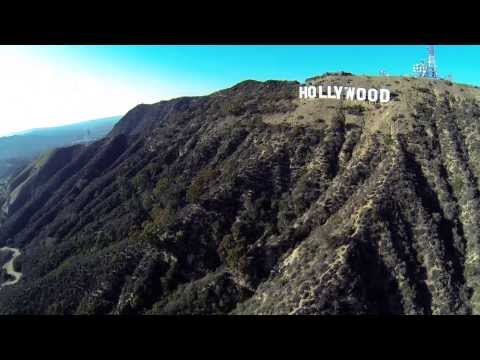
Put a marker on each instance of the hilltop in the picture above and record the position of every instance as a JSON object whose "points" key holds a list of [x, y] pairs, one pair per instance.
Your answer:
{"points": [[253, 201]]}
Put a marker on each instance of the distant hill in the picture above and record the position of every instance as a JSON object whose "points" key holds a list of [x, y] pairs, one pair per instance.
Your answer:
{"points": [[19, 149]]}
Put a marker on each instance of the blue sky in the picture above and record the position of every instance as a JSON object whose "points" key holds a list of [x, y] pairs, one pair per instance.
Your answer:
{"points": [[54, 85]]}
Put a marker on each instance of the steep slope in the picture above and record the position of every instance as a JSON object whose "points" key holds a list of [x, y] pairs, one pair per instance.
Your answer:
{"points": [[251, 200]]}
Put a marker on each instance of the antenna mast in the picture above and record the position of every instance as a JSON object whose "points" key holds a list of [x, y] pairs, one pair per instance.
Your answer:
{"points": [[428, 68], [431, 65]]}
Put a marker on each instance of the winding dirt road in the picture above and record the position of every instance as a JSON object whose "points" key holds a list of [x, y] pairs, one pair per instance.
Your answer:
{"points": [[8, 266]]}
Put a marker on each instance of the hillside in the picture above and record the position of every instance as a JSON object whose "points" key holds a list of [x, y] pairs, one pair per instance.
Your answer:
{"points": [[252, 201]]}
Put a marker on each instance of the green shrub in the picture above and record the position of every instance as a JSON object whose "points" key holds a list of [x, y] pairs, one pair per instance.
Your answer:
{"points": [[147, 201], [161, 219], [388, 140], [356, 109], [140, 182], [234, 108], [64, 266], [161, 186], [423, 90], [457, 184], [200, 184], [234, 252]]}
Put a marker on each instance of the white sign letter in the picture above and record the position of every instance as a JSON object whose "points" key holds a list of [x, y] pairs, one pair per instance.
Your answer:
{"points": [[302, 92], [384, 95], [361, 94], [320, 93], [338, 91], [372, 95], [350, 92]]}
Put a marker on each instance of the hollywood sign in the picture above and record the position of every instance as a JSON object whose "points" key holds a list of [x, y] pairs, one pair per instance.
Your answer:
{"points": [[344, 92]]}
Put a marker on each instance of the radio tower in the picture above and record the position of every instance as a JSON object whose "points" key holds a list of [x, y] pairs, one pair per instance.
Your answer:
{"points": [[431, 66], [427, 69]]}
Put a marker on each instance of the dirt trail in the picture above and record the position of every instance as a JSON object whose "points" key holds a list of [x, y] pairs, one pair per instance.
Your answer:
{"points": [[8, 266]]}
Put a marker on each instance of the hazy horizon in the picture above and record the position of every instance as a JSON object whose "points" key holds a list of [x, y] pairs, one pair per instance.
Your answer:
{"points": [[46, 127]]}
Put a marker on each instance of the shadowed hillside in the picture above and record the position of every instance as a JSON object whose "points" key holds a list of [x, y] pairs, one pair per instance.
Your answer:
{"points": [[252, 201]]}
